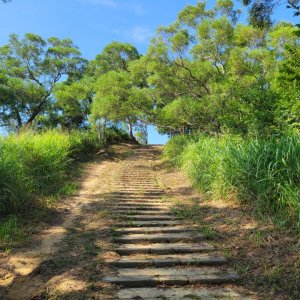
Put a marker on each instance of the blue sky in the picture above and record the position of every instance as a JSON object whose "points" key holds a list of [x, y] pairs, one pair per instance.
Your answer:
{"points": [[92, 24]]}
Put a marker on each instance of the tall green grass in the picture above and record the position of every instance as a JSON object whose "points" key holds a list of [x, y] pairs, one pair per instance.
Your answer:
{"points": [[33, 165], [264, 173]]}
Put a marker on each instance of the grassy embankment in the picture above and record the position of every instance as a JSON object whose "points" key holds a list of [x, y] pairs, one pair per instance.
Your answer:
{"points": [[35, 171], [264, 174]]}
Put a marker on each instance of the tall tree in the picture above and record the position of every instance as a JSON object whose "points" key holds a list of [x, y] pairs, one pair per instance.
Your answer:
{"points": [[206, 72], [260, 11], [119, 95], [118, 99], [114, 57], [32, 67]]}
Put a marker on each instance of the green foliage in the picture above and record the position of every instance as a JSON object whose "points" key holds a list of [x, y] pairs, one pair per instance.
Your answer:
{"points": [[260, 11], [33, 67], [263, 173], [209, 73], [36, 165], [10, 230], [174, 148], [114, 57]]}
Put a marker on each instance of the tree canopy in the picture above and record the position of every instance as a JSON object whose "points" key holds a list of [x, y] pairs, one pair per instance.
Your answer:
{"points": [[260, 11], [31, 68], [205, 72]]}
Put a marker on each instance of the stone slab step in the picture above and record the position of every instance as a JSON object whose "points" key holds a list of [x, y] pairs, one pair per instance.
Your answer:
{"points": [[164, 248], [149, 223], [149, 218], [149, 277], [173, 229], [182, 293], [139, 198], [143, 212], [169, 260], [158, 237], [141, 203], [139, 190], [137, 181], [129, 193], [137, 194], [141, 208], [137, 185]]}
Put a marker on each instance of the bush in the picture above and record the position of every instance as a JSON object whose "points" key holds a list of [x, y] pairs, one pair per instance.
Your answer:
{"points": [[264, 173]]}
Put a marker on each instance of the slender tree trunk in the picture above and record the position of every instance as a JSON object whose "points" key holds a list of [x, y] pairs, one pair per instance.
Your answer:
{"points": [[130, 131], [102, 131]]}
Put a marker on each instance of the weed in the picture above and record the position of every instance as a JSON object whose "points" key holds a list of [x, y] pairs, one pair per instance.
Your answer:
{"points": [[103, 213], [10, 230]]}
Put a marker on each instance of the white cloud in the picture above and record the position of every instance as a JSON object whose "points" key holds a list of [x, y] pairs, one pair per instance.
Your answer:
{"points": [[134, 7], [141, 34], [138, 34]]}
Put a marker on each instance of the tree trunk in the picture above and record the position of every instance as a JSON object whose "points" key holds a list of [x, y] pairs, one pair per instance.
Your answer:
{"points": [[130, 131], [102, 131]]}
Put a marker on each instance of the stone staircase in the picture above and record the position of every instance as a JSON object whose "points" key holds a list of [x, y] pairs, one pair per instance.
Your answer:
{"points": [[161, 257]]}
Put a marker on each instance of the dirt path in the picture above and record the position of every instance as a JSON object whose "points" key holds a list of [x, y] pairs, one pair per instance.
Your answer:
{"points": [[120, 240]]}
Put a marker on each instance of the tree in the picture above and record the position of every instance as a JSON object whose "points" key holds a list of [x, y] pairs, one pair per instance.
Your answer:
{"points": [[119, 95], [207, 72], [114, 57], [260, 11], [74, 101], [118, 99], [32, 68], [288, 85]]}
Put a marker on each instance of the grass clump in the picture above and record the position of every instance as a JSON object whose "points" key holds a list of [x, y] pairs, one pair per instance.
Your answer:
{"points": [[34, 165], [264, 173], [11, 230]]}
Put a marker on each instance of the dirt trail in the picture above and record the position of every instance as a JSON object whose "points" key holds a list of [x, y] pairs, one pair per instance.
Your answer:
{"points": [[20, 276], [120, 240]]}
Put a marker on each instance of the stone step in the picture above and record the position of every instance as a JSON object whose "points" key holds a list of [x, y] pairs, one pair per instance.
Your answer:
{"points": [[164, 248], [158, 237], [173, 229], [138, 180], [138, 196], [149, 218], [149, 277], [136, 184], [141, 184], [140, 200], [143, 212], [183, 293], [149, 223], [139, 190], [141, 208], [138, 176], [169, 260], [142, 204], [129, 193]]}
